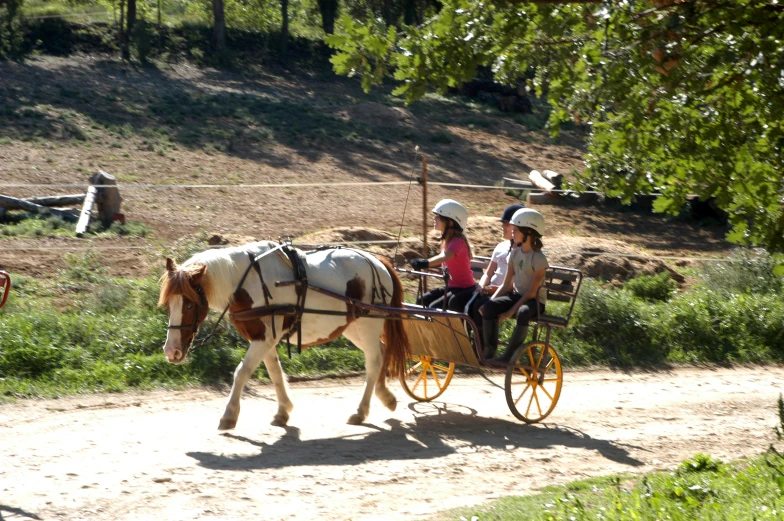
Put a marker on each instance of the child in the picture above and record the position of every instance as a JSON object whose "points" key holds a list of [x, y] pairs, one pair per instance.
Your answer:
{"points": [[517, 294], [493, 276], [450, 219]]}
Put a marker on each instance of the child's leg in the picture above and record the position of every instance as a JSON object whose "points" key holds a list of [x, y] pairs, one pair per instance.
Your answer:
{"points": [[431, 296], [524, 315], [490, 311], [458, 299]]}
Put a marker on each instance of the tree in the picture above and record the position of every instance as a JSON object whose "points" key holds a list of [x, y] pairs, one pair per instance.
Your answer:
{"points": [[329, 11], [219, 25], [10, 28], [679, 96], [284, 28]]}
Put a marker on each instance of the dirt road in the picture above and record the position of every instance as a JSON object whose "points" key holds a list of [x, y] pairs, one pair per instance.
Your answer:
{"points": [[159, 456]]}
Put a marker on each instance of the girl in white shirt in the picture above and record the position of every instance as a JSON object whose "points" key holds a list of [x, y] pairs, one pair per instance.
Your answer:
{"points": [[517, 296], [493, 276]]}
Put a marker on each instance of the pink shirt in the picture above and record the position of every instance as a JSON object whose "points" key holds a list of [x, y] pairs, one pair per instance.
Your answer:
{"points": [[459, 266]]}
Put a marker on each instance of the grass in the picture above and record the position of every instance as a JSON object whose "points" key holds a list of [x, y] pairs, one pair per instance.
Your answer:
{"points": [[18, 224], [85, 331], [701, 488]]}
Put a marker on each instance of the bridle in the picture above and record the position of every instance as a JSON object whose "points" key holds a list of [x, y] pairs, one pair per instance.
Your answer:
{"points": [[195, 325]]}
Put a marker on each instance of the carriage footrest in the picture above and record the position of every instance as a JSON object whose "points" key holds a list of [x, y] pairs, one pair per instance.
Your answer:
{"points": [[553, 320]]}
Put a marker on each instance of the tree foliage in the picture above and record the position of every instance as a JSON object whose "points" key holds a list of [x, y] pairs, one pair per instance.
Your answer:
{"points": [[680, 96], [10, 28]]}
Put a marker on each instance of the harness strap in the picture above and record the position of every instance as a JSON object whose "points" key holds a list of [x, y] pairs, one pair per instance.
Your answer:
{"points": [[255, 263], [301, 275], [254, 313], [254, 260]]}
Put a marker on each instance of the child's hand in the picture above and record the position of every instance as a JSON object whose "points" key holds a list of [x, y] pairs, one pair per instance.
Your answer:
{"points": [[419, 264], [490, 289], [506, 314]]}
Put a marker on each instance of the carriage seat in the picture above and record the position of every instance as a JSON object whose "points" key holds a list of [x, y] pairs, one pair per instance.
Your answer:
{"points": [[562, 285]]}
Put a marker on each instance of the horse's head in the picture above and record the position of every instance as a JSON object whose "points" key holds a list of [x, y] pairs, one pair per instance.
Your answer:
{"points": [[183, 294]]}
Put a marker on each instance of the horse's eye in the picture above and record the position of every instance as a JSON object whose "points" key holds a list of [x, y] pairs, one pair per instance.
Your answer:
{"points": [[189, 306]]}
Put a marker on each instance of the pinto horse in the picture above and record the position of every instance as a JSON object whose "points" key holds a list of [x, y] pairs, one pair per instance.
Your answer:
{"points": [[211, 280]]}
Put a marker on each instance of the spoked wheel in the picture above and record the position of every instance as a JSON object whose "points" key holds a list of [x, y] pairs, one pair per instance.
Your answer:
{"points": [[426, 378], [533, 382]]}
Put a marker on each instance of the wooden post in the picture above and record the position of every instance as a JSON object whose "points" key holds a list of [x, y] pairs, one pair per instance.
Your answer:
{"points": [[21, 204], [57, 200], [109, 199], [87, 208], [424, 215], [540, 181]]}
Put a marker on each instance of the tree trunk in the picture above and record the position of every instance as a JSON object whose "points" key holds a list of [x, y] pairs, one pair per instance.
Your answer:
{"points": [[409, 12], [387, 12], [131, 17], [130, 21], [329, 11], [219, 28], [126, 55], [284, 28]]}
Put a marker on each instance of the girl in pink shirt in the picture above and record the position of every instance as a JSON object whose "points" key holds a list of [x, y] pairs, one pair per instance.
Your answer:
{"points": [[450, 219]]}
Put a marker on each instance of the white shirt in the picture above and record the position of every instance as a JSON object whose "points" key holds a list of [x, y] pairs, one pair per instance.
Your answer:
{"points": [[501, 258]]}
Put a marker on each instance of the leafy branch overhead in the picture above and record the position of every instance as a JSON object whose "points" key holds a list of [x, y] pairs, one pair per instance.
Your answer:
{"points": [[680, 96]]}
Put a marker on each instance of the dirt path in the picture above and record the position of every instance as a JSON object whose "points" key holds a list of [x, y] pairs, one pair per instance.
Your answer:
{"points": [[158, 456]]}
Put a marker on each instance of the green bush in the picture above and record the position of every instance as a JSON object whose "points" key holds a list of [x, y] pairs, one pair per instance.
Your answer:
{"points": [[715, 326], [747, 271], [619, 326], [658, 287]]}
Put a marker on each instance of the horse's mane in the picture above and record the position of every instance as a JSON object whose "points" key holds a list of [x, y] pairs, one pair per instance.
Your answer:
{"points": [[223, 271], [178, 282]]}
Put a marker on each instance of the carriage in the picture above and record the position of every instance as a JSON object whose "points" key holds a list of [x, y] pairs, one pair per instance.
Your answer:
{"points": [[5, 287], [317, 295], [441, 340]]}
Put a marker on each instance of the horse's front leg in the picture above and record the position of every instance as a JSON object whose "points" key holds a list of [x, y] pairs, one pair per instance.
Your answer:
{"points": [[256, 352], [278, 378]]}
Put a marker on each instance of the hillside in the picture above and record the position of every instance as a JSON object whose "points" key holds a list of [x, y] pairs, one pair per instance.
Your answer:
{"points": [[64, 118]]}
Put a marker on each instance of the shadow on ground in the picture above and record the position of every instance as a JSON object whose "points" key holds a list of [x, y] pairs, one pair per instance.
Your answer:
{"points": [[422, 439]]}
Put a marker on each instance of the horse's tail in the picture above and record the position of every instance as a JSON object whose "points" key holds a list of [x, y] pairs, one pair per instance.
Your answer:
{"points": [[398, 348]]}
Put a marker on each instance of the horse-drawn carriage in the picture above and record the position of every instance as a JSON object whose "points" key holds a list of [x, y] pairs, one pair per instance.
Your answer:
{"points": [[313, 297], [442, 340], [5, 287]]}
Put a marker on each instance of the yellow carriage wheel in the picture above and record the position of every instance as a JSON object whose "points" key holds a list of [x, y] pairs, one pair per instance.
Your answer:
{"points": [[426, 378], [533, 382]]}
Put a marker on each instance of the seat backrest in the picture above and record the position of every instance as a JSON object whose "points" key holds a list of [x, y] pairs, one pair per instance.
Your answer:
{"points": [[479, 265], [563, 285]]}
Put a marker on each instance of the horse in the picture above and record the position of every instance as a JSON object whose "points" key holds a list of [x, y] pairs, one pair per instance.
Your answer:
{"points": [[221, 279]]}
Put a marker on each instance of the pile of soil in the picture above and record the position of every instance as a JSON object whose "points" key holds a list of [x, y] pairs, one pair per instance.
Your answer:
{"points": [[611, 260]]}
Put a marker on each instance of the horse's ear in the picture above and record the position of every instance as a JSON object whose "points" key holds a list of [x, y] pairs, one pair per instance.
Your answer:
{"points": [[170, 264], [198, 274]]}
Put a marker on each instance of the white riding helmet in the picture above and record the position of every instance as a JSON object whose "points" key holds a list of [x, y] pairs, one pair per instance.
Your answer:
{"points": [[529, 218], [452, 209]]}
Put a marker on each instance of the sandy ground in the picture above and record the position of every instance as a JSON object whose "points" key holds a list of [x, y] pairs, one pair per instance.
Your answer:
{"points": [[159, 456]]}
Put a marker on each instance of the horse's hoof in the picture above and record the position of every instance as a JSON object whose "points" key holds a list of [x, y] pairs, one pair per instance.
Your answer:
{"points": [[280, 420], [390, 402], [227, 424], [356, 419]]}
